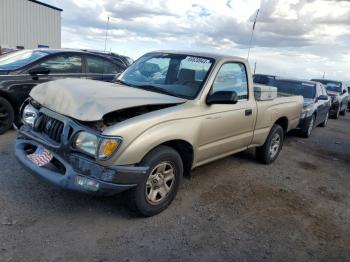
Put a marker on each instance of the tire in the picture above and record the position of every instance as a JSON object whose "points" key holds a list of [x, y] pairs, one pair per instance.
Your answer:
{"points": [[324, 123], [7, 115], [307, 133], [342, 113], [273, 142], [336, 116], [147, 197]]}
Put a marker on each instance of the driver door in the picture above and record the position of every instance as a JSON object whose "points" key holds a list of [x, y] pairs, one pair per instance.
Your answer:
{"points": [[227, 128]]}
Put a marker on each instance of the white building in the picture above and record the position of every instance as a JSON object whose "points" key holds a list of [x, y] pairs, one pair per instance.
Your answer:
{"points": [[29, 24]]}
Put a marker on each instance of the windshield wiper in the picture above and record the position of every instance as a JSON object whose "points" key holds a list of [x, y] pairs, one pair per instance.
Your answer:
{"points": [[123, 83], [155, 89]]}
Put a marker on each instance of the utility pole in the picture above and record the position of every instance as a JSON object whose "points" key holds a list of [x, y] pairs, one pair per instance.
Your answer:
{"points": [[106, 34], [324, 74], [251, 36]]}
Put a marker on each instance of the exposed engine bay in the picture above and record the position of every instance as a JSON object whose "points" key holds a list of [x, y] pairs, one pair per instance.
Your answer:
{"points": [[124, 114]]}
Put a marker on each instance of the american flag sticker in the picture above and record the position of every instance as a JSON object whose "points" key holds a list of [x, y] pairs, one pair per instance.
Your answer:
{"points": [[41, 156]]}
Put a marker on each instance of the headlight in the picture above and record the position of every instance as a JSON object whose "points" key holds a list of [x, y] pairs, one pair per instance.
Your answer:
{"points": [[86, 142], [29, 115], [305, 111], [102, 147]]}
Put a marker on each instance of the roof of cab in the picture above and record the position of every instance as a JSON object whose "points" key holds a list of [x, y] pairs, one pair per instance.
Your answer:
{"points": [[202, 54]]}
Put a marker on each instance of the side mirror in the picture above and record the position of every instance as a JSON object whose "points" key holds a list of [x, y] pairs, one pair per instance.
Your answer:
{"points": [[222, 97], [323, 97], [344, 91], [116, 77], [40, 70]]}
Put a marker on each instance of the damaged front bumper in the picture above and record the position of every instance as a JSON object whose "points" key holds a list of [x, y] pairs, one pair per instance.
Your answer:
{"points": [[75, 171]]}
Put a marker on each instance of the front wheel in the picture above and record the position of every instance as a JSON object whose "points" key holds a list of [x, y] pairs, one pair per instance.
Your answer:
{"points": [[268, 153], [336, 116], [161, 183], [307, 133], [324, 123]]}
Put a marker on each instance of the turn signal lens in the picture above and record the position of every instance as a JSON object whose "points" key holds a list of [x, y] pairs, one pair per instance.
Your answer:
{"points": [[107, 147]]}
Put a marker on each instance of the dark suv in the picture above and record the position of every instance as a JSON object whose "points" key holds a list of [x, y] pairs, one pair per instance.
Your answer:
{"points": [[21, 70], [316, 102], [338, 91]]}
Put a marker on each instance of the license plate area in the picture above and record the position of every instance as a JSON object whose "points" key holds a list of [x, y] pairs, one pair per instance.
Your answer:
{"points": [[41, 156]]}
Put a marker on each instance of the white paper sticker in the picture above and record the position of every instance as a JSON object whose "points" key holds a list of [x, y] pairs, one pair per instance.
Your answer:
{"points": [[199, 60]]}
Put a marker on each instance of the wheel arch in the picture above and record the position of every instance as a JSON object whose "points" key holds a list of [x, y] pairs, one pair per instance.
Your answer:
{"points": [[284, 123], [185, 150]]}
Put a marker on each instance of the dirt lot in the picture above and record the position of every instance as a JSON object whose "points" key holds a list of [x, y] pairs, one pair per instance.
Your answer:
{"points": [[297, 209]]}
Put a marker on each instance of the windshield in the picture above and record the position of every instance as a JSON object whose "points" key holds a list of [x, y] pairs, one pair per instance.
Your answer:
{"points": [[18, 59], [332, 86], [305, 89], [173, 74]]}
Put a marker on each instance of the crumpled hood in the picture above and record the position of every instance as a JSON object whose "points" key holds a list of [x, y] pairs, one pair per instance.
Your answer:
{"points": [[89, 100]]}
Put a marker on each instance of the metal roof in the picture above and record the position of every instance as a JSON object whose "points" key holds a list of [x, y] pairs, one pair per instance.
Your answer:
{"points": [[47, 5]]}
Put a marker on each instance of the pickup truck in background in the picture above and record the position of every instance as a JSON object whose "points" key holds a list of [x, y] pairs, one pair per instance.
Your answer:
{"points": [[169, 113]]}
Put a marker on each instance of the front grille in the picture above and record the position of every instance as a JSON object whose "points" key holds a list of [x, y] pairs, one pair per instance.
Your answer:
{"points": [[51, 127]]}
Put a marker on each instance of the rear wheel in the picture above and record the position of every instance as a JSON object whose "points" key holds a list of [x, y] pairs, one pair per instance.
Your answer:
{"points": [[7, 115], [161, 183], [268, 153]]}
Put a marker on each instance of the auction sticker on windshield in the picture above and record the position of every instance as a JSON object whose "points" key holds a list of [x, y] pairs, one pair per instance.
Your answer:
{"points": [[200, 60]]}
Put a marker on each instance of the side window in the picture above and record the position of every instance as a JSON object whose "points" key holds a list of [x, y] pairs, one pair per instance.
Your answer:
{"points": [[63, 64], [232, 77], [324, 91], [97, 65], [319, 90]]}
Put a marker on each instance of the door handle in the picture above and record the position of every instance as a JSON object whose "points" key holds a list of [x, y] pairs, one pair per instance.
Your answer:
{"points": [[248, 112]]}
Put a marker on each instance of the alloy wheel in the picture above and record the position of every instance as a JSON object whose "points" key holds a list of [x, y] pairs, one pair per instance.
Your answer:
{"points": [[275, 145], [311, 126], [160, 182], [326, 120]]}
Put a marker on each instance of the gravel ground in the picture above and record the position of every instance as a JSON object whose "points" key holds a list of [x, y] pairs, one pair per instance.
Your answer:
{"points": [[297, 209]]}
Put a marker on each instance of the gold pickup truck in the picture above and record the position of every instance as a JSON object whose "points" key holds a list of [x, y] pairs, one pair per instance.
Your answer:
{"points": [[168, 113]]}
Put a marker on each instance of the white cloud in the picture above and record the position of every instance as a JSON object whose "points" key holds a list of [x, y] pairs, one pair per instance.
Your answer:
{"points": [[296, 38]]}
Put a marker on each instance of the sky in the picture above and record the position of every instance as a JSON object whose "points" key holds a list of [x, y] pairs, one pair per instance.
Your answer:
{"points": [[292, 38]]}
